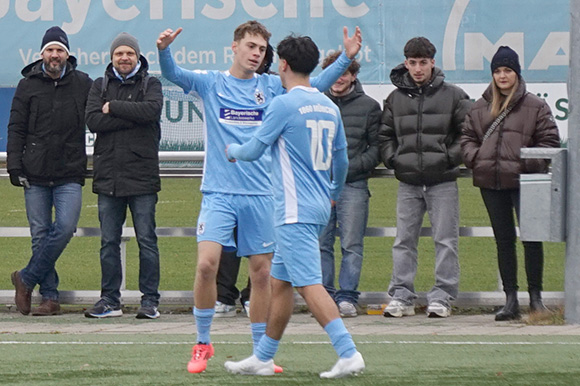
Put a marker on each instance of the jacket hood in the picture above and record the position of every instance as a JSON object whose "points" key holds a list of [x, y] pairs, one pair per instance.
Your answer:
{"points": [[355, 93], [401, 78], [520, 92], [143, 70], [35, 68]]}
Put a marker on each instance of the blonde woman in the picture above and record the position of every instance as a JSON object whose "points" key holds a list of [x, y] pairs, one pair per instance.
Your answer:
{"points": [[506, 119]]}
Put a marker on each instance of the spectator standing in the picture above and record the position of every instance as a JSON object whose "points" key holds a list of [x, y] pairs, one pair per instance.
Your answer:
{"points": [[361, 116], [419, 139], [46, 156], [124, 110], [505, 119]]}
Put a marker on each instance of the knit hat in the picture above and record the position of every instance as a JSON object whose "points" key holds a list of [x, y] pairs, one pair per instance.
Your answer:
{"points": [[125, 39], [506, 57], [55, 35]]}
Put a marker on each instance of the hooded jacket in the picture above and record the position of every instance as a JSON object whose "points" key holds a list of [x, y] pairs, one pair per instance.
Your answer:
{"points": [[421, 127], [496, 163], [361, 116], [46, 130], [126, 159]]}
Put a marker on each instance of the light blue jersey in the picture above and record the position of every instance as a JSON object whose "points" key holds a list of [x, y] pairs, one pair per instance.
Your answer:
{"points": [[305, 130], [233, 110]]}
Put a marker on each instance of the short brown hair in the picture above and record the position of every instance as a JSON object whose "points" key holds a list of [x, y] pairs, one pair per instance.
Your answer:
{"points": [[251, 27], [354, 67]]}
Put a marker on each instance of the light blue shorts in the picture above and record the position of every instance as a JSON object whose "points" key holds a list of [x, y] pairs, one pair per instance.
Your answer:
{"points": [[253, 215], [297, 256]]}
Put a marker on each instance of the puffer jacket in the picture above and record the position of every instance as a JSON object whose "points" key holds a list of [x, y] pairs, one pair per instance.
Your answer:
{"points": [[46, 130], [126, 157], [421, 127], [361, 116], [497, 163]]}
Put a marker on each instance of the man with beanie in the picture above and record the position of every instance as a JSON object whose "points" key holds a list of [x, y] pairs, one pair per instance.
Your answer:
{"points": [[124, 110], [419, 138], [46, 157]]}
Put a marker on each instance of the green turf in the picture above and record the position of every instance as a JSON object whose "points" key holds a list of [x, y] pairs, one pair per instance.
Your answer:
{"points": [[391, 360], [178, 206]]}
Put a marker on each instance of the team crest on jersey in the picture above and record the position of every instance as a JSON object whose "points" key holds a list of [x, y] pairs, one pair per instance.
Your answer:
{"points": [[201, 228], [259, 97]]}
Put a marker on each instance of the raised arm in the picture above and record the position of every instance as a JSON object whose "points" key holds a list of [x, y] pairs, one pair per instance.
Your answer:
{"points": [[330, 74]]}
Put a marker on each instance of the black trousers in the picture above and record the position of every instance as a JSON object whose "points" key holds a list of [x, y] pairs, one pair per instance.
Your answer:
{"points": [[500, 206], [227, 276]]}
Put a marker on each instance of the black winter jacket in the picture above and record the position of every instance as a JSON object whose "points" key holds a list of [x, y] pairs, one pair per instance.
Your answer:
{"points": [[126, 159], [421, 128], [46, 130], [361, 116]]}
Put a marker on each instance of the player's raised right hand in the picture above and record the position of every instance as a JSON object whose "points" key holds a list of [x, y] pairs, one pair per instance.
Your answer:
{"points": [[167, 37]]}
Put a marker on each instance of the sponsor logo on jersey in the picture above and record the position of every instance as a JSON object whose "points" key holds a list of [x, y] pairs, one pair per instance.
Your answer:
{"points": [[241, 117]]}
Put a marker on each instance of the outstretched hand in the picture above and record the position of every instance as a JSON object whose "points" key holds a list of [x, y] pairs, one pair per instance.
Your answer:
{"points": [[167, 37], [353, 44]]}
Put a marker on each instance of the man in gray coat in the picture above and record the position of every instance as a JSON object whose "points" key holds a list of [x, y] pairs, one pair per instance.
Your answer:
{"points": [[419, 139]]}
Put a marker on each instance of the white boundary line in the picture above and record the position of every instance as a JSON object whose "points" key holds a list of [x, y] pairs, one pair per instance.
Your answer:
{"points": [[452, 343]]}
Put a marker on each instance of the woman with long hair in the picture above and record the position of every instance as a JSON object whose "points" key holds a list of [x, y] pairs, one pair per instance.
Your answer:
{"points": [[506, 119]]}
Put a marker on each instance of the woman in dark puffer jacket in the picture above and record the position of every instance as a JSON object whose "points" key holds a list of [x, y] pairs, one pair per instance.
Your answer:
{"points": [[506, 119]]}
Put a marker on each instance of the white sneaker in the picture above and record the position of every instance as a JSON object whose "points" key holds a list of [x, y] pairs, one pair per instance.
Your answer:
{"points": [[246, 308], [345, 367], [251, 366], [397, 308], [224, 310], [438, 310], [347, 309]]}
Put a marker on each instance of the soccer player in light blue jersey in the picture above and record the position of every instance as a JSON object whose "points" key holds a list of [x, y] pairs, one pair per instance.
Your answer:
{"points": [[239, 194], [306, 135]]}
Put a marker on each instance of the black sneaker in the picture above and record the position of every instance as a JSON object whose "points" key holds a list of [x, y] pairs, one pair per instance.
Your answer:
{"points": [[148, 312], [103, 310]]}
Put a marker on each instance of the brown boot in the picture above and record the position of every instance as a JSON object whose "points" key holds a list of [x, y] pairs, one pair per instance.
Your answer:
{"points": [[22, 294], [46, 308]]}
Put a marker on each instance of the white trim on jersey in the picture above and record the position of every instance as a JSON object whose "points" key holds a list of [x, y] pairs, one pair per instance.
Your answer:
{"points": [[290, 195]]}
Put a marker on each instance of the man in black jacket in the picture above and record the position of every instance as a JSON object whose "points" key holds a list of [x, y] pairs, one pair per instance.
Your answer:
{"points": [[46, 156], [361, 115], [419, 138], [124, 110]]}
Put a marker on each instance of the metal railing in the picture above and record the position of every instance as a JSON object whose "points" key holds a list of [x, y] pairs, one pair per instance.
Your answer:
{"points": [[465, 299]]}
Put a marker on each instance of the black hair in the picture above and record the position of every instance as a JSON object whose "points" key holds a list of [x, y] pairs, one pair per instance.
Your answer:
{"points": [[300, 52], [420, 47]]}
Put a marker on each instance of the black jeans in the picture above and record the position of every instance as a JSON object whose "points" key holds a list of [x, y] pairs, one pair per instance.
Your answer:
{"points": [[500, 206]]}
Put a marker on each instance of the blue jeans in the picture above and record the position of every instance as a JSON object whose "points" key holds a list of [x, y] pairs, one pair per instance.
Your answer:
{"points": [[351, 214], [49, 238], [112, 215], [441, 202]]}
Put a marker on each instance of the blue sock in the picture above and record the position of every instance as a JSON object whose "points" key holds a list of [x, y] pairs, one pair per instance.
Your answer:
{"points": [[340, 338], [203, 319], [258, 330], [266, 349]]}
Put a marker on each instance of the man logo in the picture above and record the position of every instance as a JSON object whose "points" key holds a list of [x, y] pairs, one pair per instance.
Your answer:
{"points": [[200, 228]]}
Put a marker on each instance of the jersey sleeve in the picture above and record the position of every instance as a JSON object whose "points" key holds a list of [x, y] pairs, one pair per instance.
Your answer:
{"points": [[197, 81], [274, 122], [331, 73]]}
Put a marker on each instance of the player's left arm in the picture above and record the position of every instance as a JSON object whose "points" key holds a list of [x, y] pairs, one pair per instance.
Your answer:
{"points": [[265, 136], [249, 151], [352, 45]]}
